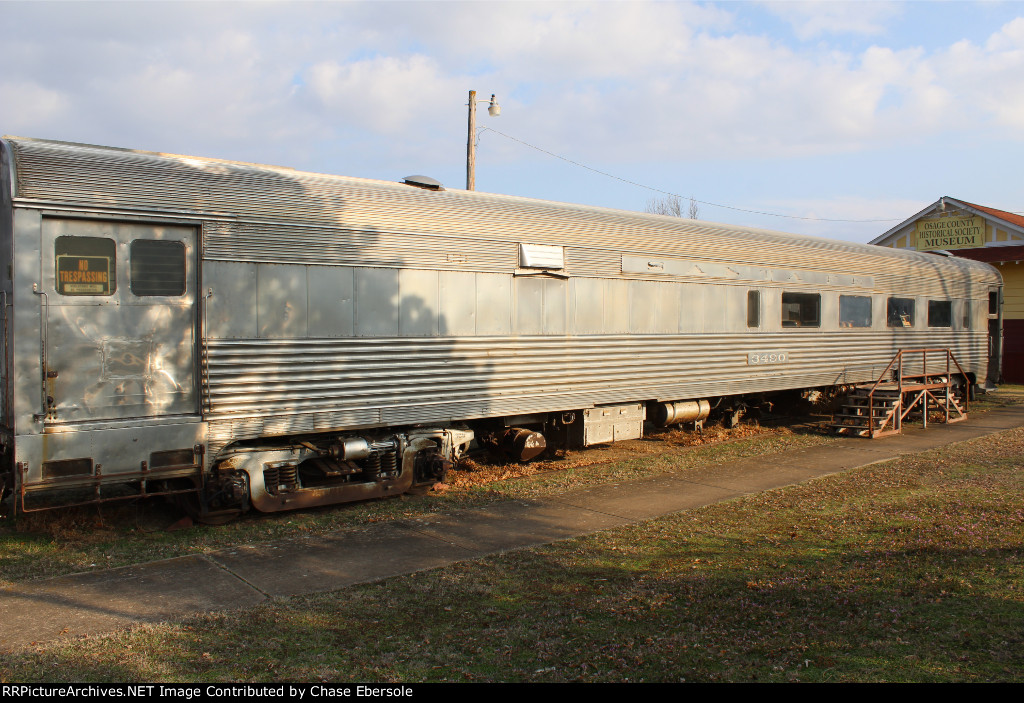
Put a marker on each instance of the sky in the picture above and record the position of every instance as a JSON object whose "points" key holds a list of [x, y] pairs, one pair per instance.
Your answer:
{"points": [[832, 119]]}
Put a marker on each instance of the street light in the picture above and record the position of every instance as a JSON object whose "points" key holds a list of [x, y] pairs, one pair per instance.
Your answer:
{"points": [[493, 109]]}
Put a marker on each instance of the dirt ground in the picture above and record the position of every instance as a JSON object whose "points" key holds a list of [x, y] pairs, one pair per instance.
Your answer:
{"points": [[482, 467]]}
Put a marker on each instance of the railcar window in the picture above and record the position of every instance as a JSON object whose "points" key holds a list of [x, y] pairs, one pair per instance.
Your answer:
{"points": [[967, 314], [801, 310], [900, 312], [993, 303], [85, 265], [854, 311], [753, 308], [157, 267], [940, 313]]}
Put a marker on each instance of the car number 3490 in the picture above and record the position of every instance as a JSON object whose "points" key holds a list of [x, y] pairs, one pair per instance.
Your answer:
{"points": [[765, 358]]}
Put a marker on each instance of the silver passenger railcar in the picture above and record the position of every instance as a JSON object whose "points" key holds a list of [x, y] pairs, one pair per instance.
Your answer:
{"points": [[257, 336]]}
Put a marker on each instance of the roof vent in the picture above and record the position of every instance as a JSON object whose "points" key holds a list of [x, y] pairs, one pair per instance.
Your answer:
{"points": [[423, 182]]}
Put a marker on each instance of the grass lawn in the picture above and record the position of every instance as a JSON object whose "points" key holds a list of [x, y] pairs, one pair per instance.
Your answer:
{"points": [[71, 540], [911, 570]]}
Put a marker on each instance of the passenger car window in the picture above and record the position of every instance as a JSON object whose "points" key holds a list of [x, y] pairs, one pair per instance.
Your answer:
{"points": [[753, 308], [900, 312], [940, 313], [801, 310], [85, 265], [854, 311], [157, 267]]}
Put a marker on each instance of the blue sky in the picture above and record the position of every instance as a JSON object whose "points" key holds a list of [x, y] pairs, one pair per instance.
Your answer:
{"points": [[815, 110]]}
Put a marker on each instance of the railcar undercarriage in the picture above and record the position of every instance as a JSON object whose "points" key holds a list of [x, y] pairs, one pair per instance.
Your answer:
{"points": [[321, 471], [289, 473]]}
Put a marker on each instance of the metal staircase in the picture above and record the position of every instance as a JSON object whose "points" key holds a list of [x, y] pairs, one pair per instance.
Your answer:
{"points": [[906, 386]]}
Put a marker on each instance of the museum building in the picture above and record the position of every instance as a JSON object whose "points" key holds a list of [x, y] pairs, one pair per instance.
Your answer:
{"points": [[983, 234]]}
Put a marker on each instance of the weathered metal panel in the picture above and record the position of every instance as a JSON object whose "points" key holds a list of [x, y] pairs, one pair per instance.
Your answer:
{"points": [[588, 305], [691, 313], [231, 307], [670, 306], [643, 307], [529, 305], [878, 304], [736, 301], [29, 390], [116, 448], [331, 308], [963, 314], [110, 362], [281, 300], [829, 311], [615, 423], [418, 304], [493, 304], [556, 305], [376, 302], [616, 311], [6, 283], [716, 308], [771, 299], [458, 303]]}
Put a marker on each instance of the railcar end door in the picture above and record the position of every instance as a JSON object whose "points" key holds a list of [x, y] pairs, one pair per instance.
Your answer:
{"points": [[120, 320], [995, 336]]}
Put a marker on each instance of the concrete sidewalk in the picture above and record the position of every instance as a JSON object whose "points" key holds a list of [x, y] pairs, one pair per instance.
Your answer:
{"points": [[98, 602]]}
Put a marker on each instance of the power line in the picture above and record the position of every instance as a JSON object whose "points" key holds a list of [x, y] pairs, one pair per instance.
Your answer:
{"points": [[674, 195]]}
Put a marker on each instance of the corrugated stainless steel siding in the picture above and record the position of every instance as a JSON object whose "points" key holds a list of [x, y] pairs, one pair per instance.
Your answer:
{"points": [[297, 384], [286, 215], [278, 243]]}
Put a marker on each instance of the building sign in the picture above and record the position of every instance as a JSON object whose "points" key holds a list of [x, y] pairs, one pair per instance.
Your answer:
{"points": [[83, 275], [950, 233]]}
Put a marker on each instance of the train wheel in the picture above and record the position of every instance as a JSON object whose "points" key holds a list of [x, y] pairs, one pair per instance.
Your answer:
{"points": [[733, 417], [420, 490]]}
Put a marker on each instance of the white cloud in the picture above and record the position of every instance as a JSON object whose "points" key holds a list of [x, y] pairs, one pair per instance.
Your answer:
{"points": [[384, 94], [988, 82], [813, 18], [1009, 38], [365, 88], [32, 107], [556, 40]]}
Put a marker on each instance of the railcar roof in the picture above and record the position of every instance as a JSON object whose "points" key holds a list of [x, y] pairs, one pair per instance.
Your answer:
{"points": [[54, 173]]}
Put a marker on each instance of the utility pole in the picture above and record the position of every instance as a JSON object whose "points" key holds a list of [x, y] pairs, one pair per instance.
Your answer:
{"points": [[471, 144], [493, 109]]}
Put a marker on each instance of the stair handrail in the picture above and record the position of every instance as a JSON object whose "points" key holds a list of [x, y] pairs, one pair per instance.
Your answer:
{"points": [[871, 393], [898, 417]]}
